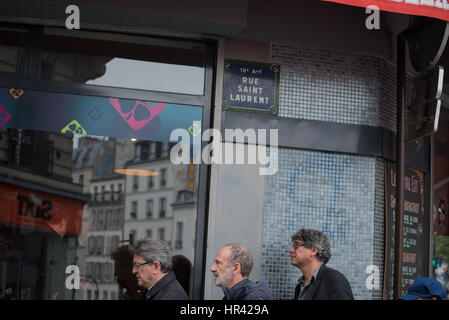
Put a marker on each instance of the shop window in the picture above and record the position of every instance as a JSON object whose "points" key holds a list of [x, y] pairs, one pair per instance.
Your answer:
{"points": [[44, 172]]}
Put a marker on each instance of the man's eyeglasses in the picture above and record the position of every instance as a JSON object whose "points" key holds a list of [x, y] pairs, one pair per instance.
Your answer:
{"points": [[138, 265], [298, 244]]}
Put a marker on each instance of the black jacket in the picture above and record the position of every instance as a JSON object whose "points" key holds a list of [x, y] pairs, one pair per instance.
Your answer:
{"points": [[328, 285], [168, 288], [247, 290]]}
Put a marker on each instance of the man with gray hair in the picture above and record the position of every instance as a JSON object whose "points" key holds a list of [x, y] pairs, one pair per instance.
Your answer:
{"points": [[310, 252], [231, 270], [152, 266]]}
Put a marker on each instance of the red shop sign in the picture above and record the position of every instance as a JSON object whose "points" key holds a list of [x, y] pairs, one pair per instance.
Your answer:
{"points": [[430, 8], [41, 210]]}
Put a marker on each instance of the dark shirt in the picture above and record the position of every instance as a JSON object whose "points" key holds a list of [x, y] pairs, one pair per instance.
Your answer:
{"points": [[247, 290], [329, 284], [303, 287], [168, 288]]}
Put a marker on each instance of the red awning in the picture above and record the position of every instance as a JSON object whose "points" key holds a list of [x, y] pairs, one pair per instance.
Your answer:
{"points": [[430, 8]]}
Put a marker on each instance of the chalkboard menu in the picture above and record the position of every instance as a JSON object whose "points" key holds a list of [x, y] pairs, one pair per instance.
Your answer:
{"points": [[251, 87], [416, 226]]}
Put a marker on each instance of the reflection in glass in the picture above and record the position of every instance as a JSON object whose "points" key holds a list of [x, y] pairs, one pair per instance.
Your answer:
{"points": [[62, 206], [146, 64], [12, 43]]}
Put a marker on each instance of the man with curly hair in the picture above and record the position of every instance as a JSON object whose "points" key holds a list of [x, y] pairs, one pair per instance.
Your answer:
{"points": [[310, 252]]}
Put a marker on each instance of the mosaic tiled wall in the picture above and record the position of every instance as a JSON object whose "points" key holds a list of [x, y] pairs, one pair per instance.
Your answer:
{"points": [[320, 85], [333, 193], [341, 195]]}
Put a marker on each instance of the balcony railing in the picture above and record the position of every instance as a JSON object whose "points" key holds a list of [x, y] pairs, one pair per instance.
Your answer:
{"points": [[108, 197]]}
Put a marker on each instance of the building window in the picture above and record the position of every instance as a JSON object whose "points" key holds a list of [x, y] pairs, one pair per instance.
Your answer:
{"points": [[163, 177], [132, 236], [152, 151], [150, 182], [105, 295], [164, 152], [117, 219], [109, 219], [100, 245], [31, 150], [93, 219], [185, 196], [91, 243], [100, 220], [141, 151], [96, 295], [149, 233], [115, 242], [89, 295], [135, 182], [161, 232], [178, 241], [149, 209], [81, 179], [134, 208], [96, 193], [112, 189], [162, 207]]}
